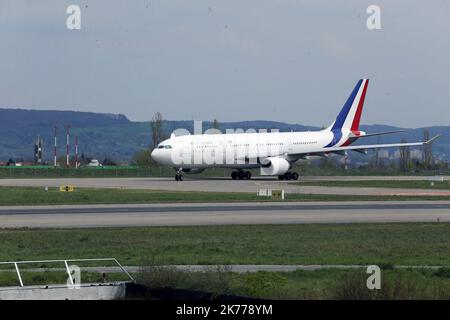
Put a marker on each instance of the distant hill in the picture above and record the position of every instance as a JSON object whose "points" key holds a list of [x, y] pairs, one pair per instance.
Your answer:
{"points": [[113, 135], [19, 129]]}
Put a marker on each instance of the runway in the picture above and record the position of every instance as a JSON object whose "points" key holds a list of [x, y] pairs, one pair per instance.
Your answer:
{"points": [[88, 216], [225, 185]]}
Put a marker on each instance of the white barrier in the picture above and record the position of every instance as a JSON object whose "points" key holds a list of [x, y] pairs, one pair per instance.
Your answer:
{"points": [[276, 194], [436, 178]]}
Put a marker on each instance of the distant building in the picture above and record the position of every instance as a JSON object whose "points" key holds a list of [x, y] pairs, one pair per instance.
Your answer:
{"points": [[416, 154], [383, 154]]}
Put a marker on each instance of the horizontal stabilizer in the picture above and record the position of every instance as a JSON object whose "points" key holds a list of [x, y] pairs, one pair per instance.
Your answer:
{"points": [[379, 133]]}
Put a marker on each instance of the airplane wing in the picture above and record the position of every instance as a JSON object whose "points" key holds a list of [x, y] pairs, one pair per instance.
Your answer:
{"points": [[363, 148]]}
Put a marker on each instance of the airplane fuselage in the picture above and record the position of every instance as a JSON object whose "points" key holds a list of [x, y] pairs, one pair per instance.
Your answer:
{"points": [[236, 150], [272, 152]]}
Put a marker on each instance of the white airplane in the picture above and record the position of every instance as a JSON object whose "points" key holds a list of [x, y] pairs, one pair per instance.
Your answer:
{"points": [[273, 152]]}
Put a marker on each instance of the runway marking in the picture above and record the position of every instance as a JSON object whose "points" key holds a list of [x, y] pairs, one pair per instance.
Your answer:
{"points": [[440, 193]]}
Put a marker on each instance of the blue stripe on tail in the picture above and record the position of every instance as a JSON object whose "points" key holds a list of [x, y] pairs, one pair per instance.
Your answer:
{"points": [[337, 135], [340, 119]]}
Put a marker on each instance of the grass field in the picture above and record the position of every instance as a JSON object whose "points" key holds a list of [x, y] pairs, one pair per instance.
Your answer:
{"points": [[12, 172], [386, 245], [306, 169], [397, 244], [38, 196], [417, 184], [300, 284], [319, 284]]}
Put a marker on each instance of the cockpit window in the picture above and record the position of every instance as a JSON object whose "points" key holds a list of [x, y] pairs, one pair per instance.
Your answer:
{"points": [[160, 147], [168, 147]]}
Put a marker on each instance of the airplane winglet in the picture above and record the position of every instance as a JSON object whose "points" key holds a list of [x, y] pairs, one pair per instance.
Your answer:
{"points": [[433, 139]]}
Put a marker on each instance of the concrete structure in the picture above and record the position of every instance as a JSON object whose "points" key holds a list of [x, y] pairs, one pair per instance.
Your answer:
{"points": [[110, 291]]}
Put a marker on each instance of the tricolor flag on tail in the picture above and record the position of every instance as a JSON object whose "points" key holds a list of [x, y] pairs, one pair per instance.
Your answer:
{"points": [[348, 119]]}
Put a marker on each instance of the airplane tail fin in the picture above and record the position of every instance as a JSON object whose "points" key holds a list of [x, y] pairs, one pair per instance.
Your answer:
{"points": [[350, 114]]}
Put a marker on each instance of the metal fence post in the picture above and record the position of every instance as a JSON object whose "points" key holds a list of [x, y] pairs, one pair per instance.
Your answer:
{"points": [[68, 271], [18, 274], [123, 269]]}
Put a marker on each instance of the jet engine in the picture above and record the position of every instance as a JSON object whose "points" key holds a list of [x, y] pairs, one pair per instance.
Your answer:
{"points": [[274, 166]]}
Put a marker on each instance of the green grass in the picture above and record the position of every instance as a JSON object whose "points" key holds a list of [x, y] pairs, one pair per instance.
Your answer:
{"points": [[398, 244], [345, 284], [12, 172], [300, 284], [417, 184], [34, 195], [83, 172], [333, 284], [305, 169], [38, 196], [382, 244]]}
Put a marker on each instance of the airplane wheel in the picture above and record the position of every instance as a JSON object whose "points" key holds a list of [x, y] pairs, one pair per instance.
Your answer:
{"points": [[177, 177], [281, 177], [241, 175], [294, 176], [248, 175], [234, 175], [288, 176]]}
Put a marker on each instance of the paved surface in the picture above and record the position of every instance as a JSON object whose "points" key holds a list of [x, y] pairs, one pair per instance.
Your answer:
{"points": [[85, 216], [217, 268], [226, 185]]}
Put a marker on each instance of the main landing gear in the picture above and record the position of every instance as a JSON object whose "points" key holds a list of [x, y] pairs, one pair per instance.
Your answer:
{"points": [[241, 175], [179, 175], [289, 176]]}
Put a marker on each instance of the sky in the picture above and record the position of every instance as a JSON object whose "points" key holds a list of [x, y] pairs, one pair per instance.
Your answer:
{"points": [[288, 60]]}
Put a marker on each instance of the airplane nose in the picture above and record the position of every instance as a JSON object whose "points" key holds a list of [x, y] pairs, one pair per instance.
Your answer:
{"points": [[156, 155]]}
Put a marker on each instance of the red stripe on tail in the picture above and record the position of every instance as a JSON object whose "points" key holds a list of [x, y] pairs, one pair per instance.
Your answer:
{"points": [[357, 118]]}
